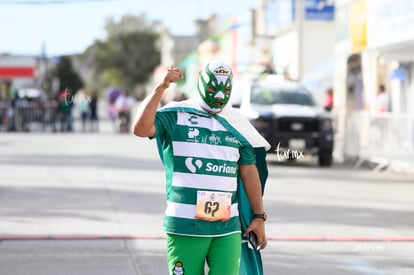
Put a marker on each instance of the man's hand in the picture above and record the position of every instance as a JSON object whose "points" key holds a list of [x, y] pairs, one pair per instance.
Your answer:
{"points": [[172, 75], [144, 120], [258, 227]]}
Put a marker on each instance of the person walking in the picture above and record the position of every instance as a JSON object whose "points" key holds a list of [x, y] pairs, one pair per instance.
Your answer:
{"points": [[83, 107], [382, 100], [124, 104], [93, 107], [329, 100], [66, 99], [215, 169]]}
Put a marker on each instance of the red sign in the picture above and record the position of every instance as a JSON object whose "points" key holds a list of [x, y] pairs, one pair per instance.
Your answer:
{"points": [[10, 72]]}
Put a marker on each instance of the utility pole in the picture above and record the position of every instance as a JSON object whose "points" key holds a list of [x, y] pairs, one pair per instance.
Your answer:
{"points": [[300, 17]]}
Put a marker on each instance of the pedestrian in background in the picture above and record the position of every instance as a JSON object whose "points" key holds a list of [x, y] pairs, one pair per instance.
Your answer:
{"points": [[82, 104], [383, 100], [93, 107], [381, 122], [206, 150], [124, 104], [328, 102], [65, 110]]}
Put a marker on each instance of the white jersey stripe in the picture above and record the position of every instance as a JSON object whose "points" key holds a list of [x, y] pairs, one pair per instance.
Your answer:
{"points": [[199, 181], [189, 149], [192, 120], [188, 211]]}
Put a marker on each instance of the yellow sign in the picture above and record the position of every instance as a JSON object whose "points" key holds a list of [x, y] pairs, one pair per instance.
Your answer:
{"points": [[358, 25]]}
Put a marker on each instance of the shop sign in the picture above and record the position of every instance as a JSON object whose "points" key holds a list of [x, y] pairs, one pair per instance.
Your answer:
{"points": [[389, 22], [319, 10]]}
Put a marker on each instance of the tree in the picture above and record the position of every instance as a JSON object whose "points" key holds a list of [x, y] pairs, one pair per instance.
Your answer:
{"points": [[129, 54], [68, 78]]}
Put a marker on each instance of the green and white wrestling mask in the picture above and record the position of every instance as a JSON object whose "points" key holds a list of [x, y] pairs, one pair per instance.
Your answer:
{"points": [[214, 86]]}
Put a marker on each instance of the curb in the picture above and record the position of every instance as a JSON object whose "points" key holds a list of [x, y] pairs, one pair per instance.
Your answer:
{"points": [[401, 167], [17, 237]]}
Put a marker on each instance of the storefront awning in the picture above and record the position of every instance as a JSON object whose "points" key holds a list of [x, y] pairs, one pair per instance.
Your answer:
{"points": [[13, 72]]}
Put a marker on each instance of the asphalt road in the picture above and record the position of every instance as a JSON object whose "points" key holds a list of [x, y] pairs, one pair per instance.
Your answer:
{"points": [[93, 204]]}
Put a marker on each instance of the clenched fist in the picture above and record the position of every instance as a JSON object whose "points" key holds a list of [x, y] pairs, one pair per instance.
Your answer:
{"points": [[172, 75]]}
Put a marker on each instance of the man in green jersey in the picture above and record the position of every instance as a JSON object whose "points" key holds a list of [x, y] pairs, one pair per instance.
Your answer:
{"points": [[214, 187]]}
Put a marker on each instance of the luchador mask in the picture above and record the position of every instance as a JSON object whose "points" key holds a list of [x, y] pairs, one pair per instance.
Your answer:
{"points": [[214, 86]]}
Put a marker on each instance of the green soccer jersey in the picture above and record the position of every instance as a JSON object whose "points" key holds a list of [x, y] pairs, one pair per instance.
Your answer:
{"points": [[199, 154]]}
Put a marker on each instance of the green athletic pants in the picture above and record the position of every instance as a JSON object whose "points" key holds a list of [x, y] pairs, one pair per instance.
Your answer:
{"points": [[186, 255]]}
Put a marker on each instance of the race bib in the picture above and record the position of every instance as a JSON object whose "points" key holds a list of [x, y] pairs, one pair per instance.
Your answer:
{"points": [[213, 206]]}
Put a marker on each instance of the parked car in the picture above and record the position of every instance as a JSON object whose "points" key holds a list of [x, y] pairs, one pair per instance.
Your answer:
{"points": [[287, 116]]}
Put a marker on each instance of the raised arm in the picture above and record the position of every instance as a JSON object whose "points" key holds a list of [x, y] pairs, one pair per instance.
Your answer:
{"points": [[143, 125]]}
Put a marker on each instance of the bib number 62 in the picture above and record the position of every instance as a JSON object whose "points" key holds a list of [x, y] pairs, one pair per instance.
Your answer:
{"points": [[213, 206], [210, 207]]}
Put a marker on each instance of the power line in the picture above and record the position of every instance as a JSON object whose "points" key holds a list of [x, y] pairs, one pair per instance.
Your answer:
{"points": [[48, 2]]}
